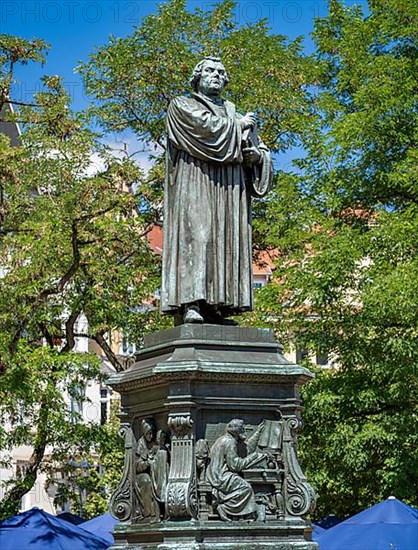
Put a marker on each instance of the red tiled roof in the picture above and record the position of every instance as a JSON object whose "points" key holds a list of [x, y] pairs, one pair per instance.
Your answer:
{"points": [[155, 239]]}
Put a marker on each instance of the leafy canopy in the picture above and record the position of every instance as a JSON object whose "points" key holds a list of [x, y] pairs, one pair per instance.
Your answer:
{"points": [[346, 227]]}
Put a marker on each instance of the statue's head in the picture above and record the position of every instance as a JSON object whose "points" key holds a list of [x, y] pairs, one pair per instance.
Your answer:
{"points": [[148, 429], [236, 428], [209, 77]]}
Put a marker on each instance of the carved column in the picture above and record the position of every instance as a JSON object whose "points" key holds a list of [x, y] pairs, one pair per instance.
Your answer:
{"points": [[181, 487]]}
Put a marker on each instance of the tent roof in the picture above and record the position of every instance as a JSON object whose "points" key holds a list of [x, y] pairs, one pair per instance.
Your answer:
{"points": [[391, 524], [37, 529], [392, 511], [71, 518], [102, 526]]}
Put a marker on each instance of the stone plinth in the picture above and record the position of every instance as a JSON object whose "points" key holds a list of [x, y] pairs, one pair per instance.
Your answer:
{"points": [[177, 399]]}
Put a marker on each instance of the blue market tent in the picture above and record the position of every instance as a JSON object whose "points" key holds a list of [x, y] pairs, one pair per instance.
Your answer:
{"points": [[102, 526], [389, 525], [317, 531], [328, 522], [38, 530], [71, 518]]}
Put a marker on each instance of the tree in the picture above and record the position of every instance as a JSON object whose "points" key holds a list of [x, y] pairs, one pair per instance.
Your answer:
{"points": [[73, 241], [66, 233], [346, 226], [133, 79]]}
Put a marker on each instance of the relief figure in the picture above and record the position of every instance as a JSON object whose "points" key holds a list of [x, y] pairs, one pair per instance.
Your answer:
{"points": [[151, 464], [234, 496]]}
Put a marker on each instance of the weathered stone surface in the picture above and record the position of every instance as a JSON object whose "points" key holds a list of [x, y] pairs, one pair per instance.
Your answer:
{"points": [[193, 380]]}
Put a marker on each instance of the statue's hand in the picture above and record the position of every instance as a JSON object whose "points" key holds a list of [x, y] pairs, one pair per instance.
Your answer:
{"points": [[251, 155], [247, 121]]}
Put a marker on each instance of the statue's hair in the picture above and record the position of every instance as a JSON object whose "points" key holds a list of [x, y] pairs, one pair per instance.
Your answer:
{"points": [[234, 426], [197, 71]]}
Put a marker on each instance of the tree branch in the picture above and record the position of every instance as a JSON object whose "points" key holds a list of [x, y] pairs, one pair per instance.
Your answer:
{"points": [[69, 331], [108, 352], [55, 289], [11, 500]]}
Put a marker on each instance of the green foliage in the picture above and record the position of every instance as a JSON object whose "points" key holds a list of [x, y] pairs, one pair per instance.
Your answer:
{"points": [[346, 227], [73, 242], [133, 79], [16, 51]]}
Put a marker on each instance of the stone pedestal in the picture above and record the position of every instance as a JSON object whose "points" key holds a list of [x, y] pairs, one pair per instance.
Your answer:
{"points": [[186, 385]]}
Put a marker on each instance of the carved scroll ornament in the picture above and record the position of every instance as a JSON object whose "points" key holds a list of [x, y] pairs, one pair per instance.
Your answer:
{"points": [[121, 506], [299, 496]]}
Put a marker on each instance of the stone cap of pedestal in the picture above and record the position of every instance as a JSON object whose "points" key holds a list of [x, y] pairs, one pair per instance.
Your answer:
{"points": [[210, 353]]}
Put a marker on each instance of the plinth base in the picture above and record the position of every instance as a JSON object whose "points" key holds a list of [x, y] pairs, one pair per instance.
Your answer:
{"points": [[188, 384], [195, 535]]}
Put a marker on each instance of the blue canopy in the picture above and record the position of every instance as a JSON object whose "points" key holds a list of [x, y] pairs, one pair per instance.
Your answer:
{"points": [[328, 522], [102, 526], [71, 518], [317, 531], [38, 530], [389, 525]]}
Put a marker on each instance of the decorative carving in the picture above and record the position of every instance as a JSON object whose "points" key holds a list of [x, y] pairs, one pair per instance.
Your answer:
{"points": [[233, 495], [181, 425], [299, 496], [181, 489], [151, 471], [204, 489], [120, 505]]}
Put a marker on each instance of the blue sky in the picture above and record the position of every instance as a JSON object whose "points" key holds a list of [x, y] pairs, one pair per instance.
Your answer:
{"points": [[73, 28]]}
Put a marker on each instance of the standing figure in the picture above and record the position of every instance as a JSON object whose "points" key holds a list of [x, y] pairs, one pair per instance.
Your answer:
{"points": [[151, 470], [234, 496], [215, 163]]}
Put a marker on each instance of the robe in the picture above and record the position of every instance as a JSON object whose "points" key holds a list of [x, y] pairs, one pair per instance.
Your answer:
{"points": [[207, 252], [235, 496]]}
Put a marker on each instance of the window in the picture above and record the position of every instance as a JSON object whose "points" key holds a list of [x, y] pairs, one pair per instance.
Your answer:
{"points": [[77, 394], [321, 359], [105, 394], [103, 412], [127, 347], [301, 354]]}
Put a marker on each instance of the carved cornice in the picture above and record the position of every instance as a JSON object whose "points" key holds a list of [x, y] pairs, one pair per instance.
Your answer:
{"points": [[295, 375]]}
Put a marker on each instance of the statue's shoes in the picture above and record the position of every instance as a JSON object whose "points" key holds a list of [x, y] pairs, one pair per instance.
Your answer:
{"points": [[192, 316]]}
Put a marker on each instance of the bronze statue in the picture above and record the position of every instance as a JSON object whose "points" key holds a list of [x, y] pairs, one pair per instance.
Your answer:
{"points": [[215, 163], [234, 496]]}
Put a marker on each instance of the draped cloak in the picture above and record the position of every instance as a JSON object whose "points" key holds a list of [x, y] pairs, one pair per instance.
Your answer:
{"points": [[235, 496], [207, 206]]}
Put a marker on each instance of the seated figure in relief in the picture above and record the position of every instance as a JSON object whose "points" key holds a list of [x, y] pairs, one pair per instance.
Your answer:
{"points": [[233, 495]]}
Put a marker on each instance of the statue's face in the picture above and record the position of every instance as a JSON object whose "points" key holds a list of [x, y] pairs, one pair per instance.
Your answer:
{"points": [[149, 435], [213, 78], [240, 431]]}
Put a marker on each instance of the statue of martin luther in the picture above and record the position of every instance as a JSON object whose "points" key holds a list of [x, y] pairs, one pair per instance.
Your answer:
{"points": [[215, 164]]}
